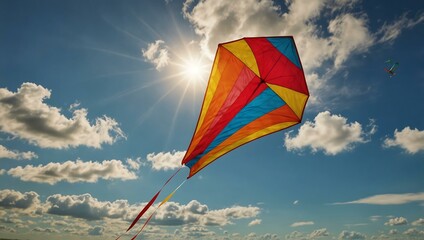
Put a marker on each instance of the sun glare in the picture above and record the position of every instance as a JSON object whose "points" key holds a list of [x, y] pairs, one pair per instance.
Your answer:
{"points": [[194, 70]]}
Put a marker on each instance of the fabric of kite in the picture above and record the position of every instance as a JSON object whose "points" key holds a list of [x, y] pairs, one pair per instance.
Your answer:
{"points": [[256, 87]]}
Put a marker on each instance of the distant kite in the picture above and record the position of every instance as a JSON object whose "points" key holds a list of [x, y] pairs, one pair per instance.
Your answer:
{"points": [[391, 67], [257, 87]]}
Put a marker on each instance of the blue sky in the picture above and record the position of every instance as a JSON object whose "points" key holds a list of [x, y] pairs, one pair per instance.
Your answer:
{"points": [[99, 101]]}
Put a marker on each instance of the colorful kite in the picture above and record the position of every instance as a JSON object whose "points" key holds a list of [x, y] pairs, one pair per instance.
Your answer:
{"points": [[256, 87]]}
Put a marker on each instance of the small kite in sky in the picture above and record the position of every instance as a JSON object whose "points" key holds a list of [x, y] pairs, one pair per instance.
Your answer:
{"points": [[256, 87], [391, 67]]}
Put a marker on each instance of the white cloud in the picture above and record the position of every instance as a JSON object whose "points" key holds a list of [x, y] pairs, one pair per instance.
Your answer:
{"points": [[13, 154], [412, 140], [86, 207], [300, 224], [157, 53], [14, 199], [350, 35], [295, 235], [414, 232], [418, 222], [389, 199], [45, 230], [4, 228], [296, 202], [194, 212], [255, 222], [393, 231], [195, 232], [319, 233], [134, 163], [166, 160], [319, 42], [396, 221], [351, 235], [330, 133], [24, 114], [390, 31], [73, 171], [2, 171], [327, 32]]}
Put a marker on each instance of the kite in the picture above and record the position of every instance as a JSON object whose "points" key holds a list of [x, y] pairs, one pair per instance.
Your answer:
{"points": [[256, 87], [391, 67]]}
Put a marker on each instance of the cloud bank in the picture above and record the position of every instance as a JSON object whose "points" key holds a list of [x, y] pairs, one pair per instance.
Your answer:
{"points": [[87, 207]]}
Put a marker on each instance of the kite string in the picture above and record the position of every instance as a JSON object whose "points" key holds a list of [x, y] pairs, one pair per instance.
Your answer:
{"points": [[153, 213], [150, 203]]}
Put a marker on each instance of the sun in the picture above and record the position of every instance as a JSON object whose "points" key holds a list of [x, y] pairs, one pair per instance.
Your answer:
{"points": [[190, 65], [194, 70]]}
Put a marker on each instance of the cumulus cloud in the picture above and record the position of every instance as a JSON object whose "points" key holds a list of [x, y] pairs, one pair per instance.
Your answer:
{"points": [[319, 233], [2, 171], [300, 224], [166, 160], [13, 154], [412, 140], [255, 222], [418, 222], [396, 221], [351, 235], [73, 171], [194, 212], [330, 133], [85, 206], [157, 53], [412, 232], [220, 21], [327, 32], [134, 163], [45, 230], [195, 232], [319, 42], [295, 235], [389, 199], [14, 199], [4, 228], [24, 114]]}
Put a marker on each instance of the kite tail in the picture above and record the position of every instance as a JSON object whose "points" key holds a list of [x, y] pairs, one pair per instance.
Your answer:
{"points": [[149, 204], [151, 215]]}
